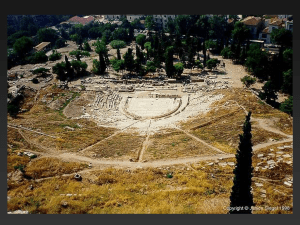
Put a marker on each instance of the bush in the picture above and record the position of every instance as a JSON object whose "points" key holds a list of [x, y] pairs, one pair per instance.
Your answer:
{"points": [[35, 81], [86, 47], [150, 66], [20, 167], [40, 70], [227, 53], [12, 109], [287, 106], [248, 81], [38, 57], [55, 56], [117, 44], [33, 156], [211, 63]]}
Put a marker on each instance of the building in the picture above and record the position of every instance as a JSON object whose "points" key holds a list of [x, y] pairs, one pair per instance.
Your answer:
{"points": [[255, 24], [271, 24], [162, 20], [131, 17], [43, 46], [289, 25], [112, 17], [81, 20]]}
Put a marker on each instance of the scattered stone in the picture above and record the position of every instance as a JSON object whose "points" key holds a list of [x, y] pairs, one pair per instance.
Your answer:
{"points": [[256, 168], [30, 187], [286, 156], [90, 165], [259, 163], [20, 153], [279, 153], [271, 162], [69, 128], [289, 162], [231, 163], [64, 203], [210, 164], [263, 195], [260, 155], [271, 154], [281, 148], [286, 146], [222, 164], [18, 212], [68, 195], [263, 191], [271, 149], [287, 183]]}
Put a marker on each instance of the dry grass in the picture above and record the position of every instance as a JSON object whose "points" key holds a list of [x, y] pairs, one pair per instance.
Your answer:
{"points": [[122, 145], [172, 143], [48, 167]]}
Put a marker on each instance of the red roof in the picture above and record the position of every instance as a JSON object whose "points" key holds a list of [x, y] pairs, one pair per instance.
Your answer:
{"points": [[251, 21], [81, 20]]}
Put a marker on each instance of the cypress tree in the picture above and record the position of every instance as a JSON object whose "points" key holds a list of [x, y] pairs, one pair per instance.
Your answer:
{"points": [[118, 54], [241, 195]]}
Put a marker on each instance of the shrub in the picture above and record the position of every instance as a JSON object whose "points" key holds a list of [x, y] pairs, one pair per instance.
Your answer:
{"points": [[40, 70], [227, 53], [35, 81], [211, 63], [33, 156], [287, 106], [20, 167], [38, 57], [117, 44], [248, 81], [55, 56]]}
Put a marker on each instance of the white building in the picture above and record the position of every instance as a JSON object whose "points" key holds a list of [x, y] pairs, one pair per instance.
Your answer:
{"points": [[112, 17], [131, 18]]}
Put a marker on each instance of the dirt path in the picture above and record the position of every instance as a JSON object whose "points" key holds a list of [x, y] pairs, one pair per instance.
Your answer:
{"points": [[145, 145], [263, 145], [198, 139], [266, 125], [114, 134], [25, 128]]}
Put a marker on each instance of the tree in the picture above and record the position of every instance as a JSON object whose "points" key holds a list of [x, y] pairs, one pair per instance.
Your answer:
{"points": [[150, 66], [79, 67], [102, 51], [257, 60], [287, 106], [203, 31], [240, 34], [147, 46], [212, 63], [287, 86], [78, 39], [226, 53], [118, 54], [282, 37], [248, 81], [60, 43], [38, 57], [140, 39], [78, 54], [170, 69], [241, 195], [149, 23], [128, 60], [269, 93], [86, 46], [47, 35], [178, 69], [117, 65], [22, 46], [116, 44], [59, 69]]}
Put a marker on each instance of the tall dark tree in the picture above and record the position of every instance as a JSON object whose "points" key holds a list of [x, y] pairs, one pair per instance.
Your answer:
{"points": [[240, 34], [102, 51], [118, 54], [170, 69], [241, 195], [128, 60]]}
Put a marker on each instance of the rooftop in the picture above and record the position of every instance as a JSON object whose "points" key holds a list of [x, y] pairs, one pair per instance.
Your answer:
{"points": [[41, 46], [82, 20], [251, 21]]}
